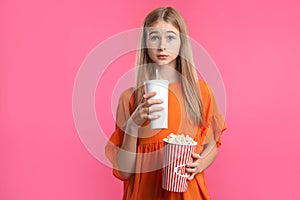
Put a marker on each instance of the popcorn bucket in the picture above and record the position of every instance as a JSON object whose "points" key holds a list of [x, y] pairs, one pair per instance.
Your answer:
{"points": [[176, 156]]}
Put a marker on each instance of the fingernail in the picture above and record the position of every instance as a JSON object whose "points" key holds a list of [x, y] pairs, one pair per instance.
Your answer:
{"points": [[155, 116]]}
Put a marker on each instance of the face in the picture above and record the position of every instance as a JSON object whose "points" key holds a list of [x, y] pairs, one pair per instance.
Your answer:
{"points": [[163, 43]]}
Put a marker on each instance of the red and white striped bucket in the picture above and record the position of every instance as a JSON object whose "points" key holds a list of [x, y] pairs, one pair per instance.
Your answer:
{"points": [[174, 177]]}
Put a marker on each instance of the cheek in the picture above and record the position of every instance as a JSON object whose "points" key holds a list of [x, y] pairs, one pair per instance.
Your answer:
{"points": [[151, 52], [174, 49]]}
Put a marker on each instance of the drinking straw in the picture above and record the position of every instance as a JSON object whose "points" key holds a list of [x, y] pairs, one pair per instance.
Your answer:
{"points": [[156, 74]]}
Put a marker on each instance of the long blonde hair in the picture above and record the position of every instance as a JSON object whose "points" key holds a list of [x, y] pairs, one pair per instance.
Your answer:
{"points": [[185, 66]]}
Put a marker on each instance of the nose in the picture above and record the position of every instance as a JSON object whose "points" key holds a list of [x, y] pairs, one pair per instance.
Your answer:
{"points": [[162, 45]]}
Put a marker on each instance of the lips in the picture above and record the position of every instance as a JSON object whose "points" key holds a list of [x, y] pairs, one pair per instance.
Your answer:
{"points": [[162, 56]]}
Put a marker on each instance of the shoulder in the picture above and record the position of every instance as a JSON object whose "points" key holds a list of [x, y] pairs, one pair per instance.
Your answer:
{"points": [[205, 89], [127, 98], [127, 94], [202, 84]]}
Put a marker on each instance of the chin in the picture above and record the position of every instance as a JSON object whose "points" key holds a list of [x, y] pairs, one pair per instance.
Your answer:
{"points": [[161, 63]]}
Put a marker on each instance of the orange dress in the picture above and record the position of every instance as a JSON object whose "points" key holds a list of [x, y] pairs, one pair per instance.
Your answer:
{"points": [[146, 182]]}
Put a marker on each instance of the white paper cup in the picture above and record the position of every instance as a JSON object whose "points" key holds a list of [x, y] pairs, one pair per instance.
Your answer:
{"points": [[161, 88], [176, 156]]}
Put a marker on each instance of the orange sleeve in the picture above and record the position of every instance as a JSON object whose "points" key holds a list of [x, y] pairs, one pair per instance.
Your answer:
{"points": [[216, 122], [123, 113]]}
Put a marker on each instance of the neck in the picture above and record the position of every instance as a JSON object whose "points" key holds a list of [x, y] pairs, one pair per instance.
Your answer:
{"points": [[168, 73]]}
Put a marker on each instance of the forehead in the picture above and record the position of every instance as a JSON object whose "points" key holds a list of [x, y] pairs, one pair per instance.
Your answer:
{"points": [[162, 26]]}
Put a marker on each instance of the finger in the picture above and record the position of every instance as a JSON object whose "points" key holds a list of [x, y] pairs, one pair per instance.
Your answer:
{"points": [[155, 109], [153, 116], [195, 155], [149, 95], [191, 170], [149, 110], [191, 177], [151, 102], [191, 165]]}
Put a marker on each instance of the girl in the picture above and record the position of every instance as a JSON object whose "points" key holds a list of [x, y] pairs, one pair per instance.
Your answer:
{"points": [[134, 149]]}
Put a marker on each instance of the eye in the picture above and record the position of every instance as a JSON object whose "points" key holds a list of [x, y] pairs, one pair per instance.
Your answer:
{"points": [[154, 38], [170, 38]]}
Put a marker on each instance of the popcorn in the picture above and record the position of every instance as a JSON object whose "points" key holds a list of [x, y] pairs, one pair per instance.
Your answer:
{"points": [[179, 139], [178, 151]]}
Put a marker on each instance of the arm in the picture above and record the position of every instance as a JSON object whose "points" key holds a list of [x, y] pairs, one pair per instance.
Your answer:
{"points": [[126, 156], [210, 150], [204, 160]]}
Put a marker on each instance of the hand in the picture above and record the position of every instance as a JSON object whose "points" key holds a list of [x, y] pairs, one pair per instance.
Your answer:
{"points": [[194, 167], [144, 112]]}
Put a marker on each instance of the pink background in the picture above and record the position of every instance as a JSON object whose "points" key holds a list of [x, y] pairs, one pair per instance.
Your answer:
{"points": [[255, 45]]}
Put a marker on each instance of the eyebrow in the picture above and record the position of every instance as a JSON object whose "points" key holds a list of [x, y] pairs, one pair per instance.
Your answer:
{"points": [[171, 32], [155, 32]]}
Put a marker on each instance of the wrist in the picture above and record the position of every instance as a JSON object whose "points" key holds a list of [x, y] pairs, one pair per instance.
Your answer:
{"points": [[132, 128]]}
